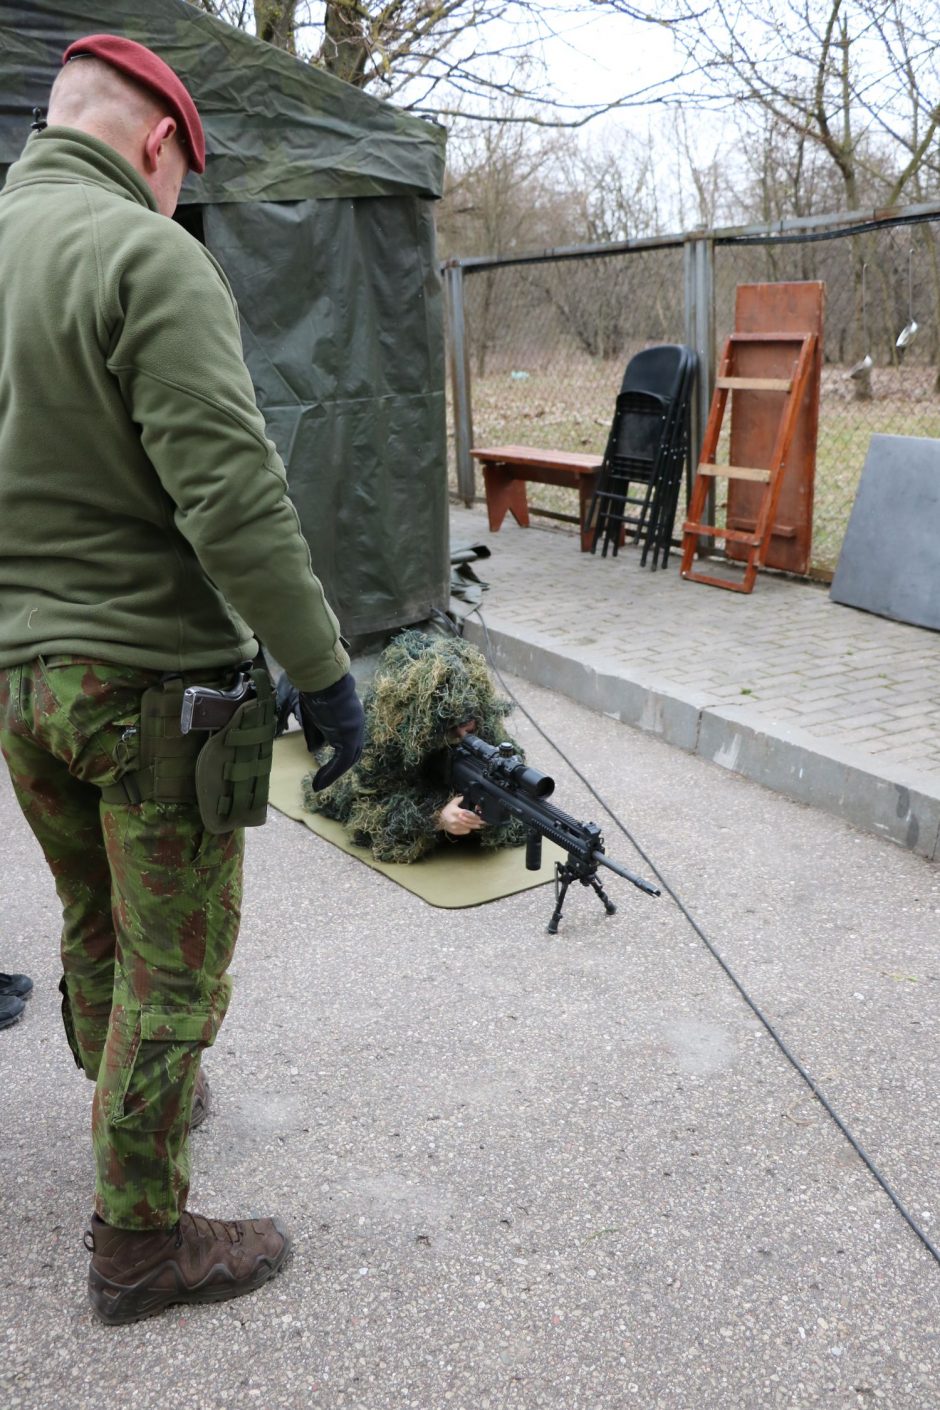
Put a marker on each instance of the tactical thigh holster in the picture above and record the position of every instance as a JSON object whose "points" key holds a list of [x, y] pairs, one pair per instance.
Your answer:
{"points": [[233, 768], [225, 771]]}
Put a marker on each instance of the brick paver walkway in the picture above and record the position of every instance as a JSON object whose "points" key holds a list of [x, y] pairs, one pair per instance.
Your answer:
{"points": [[784, 655]]}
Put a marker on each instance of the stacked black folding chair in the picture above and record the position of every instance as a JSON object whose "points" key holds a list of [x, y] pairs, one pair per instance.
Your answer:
{"points": [[638, 488]]}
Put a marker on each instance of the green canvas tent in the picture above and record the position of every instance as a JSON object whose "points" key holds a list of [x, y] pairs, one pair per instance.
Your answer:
{"points": [[316, 201]]}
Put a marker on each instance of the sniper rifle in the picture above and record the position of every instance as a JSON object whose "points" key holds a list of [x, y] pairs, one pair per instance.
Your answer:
{"points": [[497, 784]]}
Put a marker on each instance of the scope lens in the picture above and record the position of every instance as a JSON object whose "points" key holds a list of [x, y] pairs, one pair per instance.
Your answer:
{"points": [[536, 784]]}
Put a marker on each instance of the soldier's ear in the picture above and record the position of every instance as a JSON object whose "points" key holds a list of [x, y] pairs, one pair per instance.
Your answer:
{"points": [[156, 142]]}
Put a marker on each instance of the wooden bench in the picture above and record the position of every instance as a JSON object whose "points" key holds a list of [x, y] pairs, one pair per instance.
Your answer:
{"points": [[506, 469]]}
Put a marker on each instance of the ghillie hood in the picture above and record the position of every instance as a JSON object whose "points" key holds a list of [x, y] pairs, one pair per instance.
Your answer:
{"points": [[422, 689]]}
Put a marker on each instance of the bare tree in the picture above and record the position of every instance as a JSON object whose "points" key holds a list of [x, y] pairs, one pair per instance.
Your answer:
{"points": [[612, 189], [501, 195], [238, 13], [275, 23], [855, 79], [441, 58], [852, 77], [503, 190]]}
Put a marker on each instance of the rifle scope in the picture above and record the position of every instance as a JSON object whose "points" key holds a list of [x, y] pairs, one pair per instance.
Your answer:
{"points": [[502, 762]]}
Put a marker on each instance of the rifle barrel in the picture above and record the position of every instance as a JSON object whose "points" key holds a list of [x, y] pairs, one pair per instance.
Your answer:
{"points": [[639, 881]]}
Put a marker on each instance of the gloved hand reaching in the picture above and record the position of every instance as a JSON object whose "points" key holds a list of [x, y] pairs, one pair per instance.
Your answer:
{"points": [[332, 716]]}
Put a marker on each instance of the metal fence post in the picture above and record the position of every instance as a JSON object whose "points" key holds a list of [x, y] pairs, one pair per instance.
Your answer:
{"points": [[460, 382], [699, 260]]}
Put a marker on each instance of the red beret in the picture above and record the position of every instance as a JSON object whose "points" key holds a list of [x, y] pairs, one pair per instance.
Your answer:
{"points": [[144, 66]]}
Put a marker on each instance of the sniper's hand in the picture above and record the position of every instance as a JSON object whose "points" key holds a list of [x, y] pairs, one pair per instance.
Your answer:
{"points": [[457, 821], [335, 716]]}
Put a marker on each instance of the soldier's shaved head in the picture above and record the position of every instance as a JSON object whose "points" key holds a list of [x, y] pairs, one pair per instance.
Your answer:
{"points": [[95, 98], [150, 77]]}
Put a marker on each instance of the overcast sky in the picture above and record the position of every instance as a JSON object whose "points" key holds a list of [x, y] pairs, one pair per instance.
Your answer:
{"points": [[590, 57], [606, 56]]}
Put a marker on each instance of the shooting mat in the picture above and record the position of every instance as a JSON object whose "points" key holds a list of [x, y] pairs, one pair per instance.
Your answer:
{"points": [[452, 877], [890, 559]]}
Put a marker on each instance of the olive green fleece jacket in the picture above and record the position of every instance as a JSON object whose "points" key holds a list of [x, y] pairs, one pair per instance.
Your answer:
{"points": [[144, 516]]}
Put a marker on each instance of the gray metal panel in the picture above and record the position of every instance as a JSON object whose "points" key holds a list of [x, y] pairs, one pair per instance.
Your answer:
{"points": [[890, 559]]}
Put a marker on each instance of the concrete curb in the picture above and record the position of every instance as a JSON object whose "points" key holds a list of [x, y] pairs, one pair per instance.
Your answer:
{"points": [[894, 803]]}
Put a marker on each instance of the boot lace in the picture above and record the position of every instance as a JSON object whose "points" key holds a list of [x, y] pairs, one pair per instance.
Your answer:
{"points": [[219, 1230]]}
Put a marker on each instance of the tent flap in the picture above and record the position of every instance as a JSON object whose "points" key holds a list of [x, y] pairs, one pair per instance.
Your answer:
{"points": [[352, 389]]}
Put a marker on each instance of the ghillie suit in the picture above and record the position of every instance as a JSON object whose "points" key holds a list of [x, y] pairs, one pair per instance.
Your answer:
{"points": [[423, 688]]}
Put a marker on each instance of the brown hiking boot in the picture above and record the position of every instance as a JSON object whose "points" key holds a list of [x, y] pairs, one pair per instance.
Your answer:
{"points": [[200, 1101], [135, 1274]]}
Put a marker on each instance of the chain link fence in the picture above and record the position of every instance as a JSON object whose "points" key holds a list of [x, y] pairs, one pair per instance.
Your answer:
{"points": [[545, 342], [547, 345]]}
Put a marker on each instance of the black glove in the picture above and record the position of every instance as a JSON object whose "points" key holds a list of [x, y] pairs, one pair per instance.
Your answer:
{"points": [[335, 716]]}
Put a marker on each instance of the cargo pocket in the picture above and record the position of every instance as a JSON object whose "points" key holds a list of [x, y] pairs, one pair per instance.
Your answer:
{"points": [[158, 1055], [118, 1062], [68, 1022]]}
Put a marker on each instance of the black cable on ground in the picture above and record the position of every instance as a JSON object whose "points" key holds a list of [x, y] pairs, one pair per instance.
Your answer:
{"points": [[791, 1057]]}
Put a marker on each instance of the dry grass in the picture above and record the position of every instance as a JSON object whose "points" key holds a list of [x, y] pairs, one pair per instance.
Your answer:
{"points": [[569, 408]]}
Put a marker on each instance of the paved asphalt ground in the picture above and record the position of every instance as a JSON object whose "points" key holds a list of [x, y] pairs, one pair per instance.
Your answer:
{"points": [[572, 1173]]}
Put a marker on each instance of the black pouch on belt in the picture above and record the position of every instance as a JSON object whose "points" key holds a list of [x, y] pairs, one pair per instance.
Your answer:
{"points": [[233, 767]]}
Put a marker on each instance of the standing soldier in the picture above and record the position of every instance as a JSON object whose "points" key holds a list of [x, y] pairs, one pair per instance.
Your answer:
{"points": [[144, 520]]}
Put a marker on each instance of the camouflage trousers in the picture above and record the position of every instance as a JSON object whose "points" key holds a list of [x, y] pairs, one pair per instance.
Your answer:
{"points": [[151, 906]]}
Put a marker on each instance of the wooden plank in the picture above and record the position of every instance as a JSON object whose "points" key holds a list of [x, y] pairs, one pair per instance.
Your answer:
{"points": [[736, 472], [550, 475], [783, 531], [739, 337], [776, 316], [537, 458], [504, 493], [716, 531], [755, 384], [693, 577]]}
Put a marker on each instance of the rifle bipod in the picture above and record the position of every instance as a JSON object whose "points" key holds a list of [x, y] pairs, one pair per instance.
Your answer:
{"points": [[575, 869]]}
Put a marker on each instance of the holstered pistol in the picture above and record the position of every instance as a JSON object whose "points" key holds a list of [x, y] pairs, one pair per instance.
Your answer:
{"points": [[209, 709]]}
